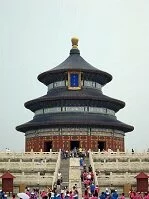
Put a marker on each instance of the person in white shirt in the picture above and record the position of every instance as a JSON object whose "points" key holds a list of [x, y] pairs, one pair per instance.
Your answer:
{"points": [[59, 176]]}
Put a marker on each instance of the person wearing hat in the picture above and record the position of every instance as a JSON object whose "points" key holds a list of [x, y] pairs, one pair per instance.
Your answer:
{"points": [[33, 196], [115, 195], [5, 196], [28, 191], [107, 193]]}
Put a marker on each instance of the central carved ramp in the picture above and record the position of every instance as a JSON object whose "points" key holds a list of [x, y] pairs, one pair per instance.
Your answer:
{"points": [[74, 175]]}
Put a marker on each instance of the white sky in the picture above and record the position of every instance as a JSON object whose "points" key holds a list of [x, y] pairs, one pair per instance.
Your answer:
{"points": [[35, 36]]}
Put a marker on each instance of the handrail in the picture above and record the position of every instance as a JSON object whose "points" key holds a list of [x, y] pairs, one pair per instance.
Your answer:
{"points": [[93, 168], [120, 154], [56, 168]]}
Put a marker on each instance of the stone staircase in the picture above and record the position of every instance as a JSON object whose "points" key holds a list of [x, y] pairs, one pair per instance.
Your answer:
{"points": [[86, 161], [64, 169]]}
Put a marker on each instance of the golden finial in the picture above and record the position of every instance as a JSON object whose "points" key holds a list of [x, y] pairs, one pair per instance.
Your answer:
{"points": [[74, 41]]}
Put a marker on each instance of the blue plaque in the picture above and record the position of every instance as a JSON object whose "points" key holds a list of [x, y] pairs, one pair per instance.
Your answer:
{"points": [[74, 80]]}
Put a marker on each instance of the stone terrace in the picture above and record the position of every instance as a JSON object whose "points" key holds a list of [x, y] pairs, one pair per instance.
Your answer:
{"points": [[33, 169], [119, 168], [39, 169]]}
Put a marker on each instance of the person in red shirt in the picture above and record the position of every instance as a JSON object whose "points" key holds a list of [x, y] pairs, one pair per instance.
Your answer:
{"points": [[92, 176], [86, 194], [43, 194], [97, 189], [13, 196], [122, 196]]}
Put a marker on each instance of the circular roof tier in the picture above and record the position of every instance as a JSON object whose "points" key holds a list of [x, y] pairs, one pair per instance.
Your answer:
{"points": [[85, 96], [61, 120], [74, 63]]}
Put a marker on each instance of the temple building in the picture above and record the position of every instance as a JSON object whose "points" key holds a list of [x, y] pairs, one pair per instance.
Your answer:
{"points": [[74, 112]]}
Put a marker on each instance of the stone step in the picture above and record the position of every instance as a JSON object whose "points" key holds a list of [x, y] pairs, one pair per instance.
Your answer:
{"points": [[86, 161], [64, 169]]}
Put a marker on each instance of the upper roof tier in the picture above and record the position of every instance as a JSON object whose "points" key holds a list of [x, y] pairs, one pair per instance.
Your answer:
{"points": [[85, 96], [74, 62]]}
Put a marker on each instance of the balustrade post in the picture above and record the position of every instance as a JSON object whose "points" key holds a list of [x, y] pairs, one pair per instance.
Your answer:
{"points": [[111, 177], [118, 151], [126, 177], [20, 164], [38, 178], [22, 176], [117, 163], [129, 166]]}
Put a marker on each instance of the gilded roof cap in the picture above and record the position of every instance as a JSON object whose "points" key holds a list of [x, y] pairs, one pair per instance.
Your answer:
{"points": [[74, 41], [74, 50]]}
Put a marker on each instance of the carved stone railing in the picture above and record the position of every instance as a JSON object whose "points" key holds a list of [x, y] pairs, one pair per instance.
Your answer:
{"points": [[23, 166], [32, 179], [93, 168], [28, 155], [119, 154], [122, 166], [56, 168], [116, 179]]}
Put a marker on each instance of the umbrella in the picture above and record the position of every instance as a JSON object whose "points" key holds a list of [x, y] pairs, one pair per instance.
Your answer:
{"points": [[23, 195]]}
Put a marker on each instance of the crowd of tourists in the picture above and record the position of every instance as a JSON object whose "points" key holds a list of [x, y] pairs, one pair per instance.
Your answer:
{"points": [[76, 152], [91, 192], [55, 193]]}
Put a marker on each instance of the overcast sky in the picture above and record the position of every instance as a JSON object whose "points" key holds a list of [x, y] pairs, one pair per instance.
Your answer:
{"points": [[35, 37]]}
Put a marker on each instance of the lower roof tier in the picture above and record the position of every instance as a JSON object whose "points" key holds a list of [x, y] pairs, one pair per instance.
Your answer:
{"points": [[73, 120], [85, 96]]}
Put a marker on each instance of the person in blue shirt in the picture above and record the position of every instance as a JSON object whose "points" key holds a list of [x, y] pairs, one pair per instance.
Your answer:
{"points": [[58, 196], [2, 194], [92, 188], [115, 195], [76, 195], [102, 196], [81, 162]]}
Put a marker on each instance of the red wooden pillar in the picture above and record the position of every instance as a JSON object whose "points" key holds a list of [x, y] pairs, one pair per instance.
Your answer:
{"points": [[7, 182], [142, 182]]}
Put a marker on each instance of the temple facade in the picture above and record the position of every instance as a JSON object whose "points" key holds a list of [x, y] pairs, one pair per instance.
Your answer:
{"points": [[74, 112]]}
